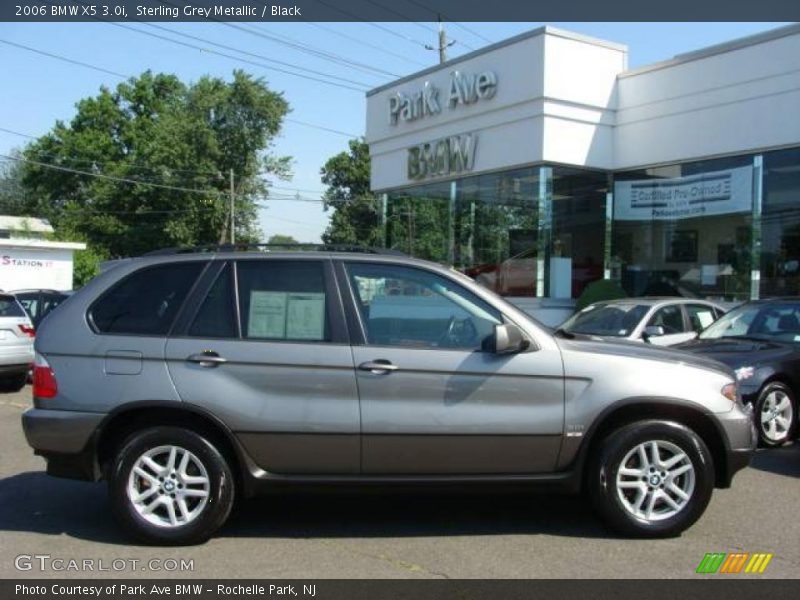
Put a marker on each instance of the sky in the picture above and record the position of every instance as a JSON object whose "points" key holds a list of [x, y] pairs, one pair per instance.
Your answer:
{"points": [[38, 90]]}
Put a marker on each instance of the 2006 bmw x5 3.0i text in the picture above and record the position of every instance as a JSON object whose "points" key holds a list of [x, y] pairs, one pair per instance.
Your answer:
{"points": [[187, 378]]}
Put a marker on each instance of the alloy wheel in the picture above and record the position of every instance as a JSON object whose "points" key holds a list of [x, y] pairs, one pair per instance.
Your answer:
{"points": [[776, 416], [655, 480], [169, 486]]}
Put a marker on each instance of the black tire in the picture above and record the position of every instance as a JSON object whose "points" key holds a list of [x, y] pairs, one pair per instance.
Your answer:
{"points": [[220, 493], [14, 383], [604, 468], [763, 436]]}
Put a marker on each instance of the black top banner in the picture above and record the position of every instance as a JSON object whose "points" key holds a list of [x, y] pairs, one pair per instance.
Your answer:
{"points": [[399, 10]]}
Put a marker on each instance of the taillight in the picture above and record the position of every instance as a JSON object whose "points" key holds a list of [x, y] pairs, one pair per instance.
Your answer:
{"points": [[27, 330], [44, 380]]}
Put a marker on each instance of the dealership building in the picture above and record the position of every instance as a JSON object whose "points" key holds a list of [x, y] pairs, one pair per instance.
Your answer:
{"points": [[541, 163]]}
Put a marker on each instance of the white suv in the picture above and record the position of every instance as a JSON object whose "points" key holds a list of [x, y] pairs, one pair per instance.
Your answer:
{"points": [[16, 344]]}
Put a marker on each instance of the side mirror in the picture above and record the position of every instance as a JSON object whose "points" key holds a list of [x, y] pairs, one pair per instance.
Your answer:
{"points": [[652, 331], [506, 339]]}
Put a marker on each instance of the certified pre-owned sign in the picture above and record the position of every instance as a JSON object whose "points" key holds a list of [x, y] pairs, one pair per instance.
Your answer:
{"points": [[463, 89]]}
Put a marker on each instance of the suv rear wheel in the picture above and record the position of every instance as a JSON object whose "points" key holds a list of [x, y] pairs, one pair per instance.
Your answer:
{"points": [[652, 479], [170, 485]]}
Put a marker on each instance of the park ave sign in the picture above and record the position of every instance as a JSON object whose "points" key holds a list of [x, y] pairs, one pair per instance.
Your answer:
{"points": [[463, 89]]}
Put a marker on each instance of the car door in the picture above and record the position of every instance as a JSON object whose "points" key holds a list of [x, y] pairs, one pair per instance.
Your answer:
{"points": [[267, 352], [669, 318], [432, 401]]}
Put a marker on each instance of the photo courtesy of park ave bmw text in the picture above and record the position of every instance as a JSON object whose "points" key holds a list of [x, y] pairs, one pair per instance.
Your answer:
{"points": [[391, 298]]}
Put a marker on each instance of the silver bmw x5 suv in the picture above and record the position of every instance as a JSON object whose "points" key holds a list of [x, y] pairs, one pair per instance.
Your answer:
{"points": [[185, 379]]}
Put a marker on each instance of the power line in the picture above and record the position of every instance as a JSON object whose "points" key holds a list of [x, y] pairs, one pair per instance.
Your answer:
{"points": [[459, 25], [236, 58], [410, 20], [246, 53], [109, 177], [353, 38], [215, 175], [300, 46], [128, 180], [64, 59], [376, 25], [401, 15], [337, 131]]}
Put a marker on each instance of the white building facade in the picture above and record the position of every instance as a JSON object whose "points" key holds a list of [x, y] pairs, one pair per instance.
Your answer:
{"points": [[542, 163], [29, 261]]}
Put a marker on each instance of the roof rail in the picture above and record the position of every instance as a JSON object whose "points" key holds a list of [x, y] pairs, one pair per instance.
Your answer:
{"points": [[272, 247]]}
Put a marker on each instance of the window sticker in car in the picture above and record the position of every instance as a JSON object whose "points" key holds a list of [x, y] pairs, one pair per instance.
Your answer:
{"points": [[305, 316], [267, 318], [286, 315], [705, 318]]}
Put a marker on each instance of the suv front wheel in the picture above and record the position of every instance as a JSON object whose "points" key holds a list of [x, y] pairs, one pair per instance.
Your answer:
{"points": [[170, 485], [652, 478]]}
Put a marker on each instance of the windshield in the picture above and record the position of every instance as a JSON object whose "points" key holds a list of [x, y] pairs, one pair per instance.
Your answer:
{"points": [[779, 322], [617, 320]]}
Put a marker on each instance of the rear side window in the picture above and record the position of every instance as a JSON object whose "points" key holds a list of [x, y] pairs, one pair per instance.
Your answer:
{"points": [[146, 302], [283, 300], [9, 307], [217, 317], [700, 316]]}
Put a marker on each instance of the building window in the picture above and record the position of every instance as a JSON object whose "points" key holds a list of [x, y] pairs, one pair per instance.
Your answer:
{"points": [[685, 230], [578, 230], [780, 224]]}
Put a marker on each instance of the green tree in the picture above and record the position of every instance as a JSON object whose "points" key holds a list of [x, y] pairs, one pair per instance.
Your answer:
{"points": [[157, 129], [279, 238], [357, 217]]}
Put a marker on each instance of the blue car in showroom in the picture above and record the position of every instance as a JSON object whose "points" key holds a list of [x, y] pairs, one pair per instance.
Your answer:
{"points": [[760, 340]]}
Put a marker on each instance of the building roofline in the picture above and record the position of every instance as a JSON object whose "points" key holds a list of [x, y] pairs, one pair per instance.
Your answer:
{"points": [[544, 30], [709, 51], [41, 244]]}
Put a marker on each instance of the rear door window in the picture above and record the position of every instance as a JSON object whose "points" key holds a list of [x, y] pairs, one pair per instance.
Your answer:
{"points": [[670, 318], [283, 300], [146, 302], [217, 315], [700, 316]]}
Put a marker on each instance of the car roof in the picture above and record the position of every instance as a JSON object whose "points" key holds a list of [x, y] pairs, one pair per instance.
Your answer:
{"points": [[656, 300], [226, 254]]}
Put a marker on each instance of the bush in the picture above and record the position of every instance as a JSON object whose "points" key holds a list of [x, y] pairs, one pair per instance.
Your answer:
{"points": [[597, 291]]}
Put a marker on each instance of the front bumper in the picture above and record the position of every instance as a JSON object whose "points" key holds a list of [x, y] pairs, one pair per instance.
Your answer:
{"points": [[64, 439], [741, 439]]}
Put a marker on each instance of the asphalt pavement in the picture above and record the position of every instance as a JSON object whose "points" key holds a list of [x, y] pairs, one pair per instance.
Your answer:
{"points": [[386, 535]]}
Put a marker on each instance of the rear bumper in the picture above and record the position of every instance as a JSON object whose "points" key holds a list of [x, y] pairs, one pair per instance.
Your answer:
{"points": [[17, 369], [741, 440], [63, 438]]}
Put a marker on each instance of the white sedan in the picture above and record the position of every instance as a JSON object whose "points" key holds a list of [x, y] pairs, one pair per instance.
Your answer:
{"points": [[659, 321]]}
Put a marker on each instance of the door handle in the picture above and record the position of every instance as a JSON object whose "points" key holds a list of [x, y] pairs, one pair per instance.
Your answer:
{"points": [[378, 366], [207, 359]]}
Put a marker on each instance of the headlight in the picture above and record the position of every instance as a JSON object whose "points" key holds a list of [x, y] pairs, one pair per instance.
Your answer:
{"points": [[743, 373], [729, 391]]}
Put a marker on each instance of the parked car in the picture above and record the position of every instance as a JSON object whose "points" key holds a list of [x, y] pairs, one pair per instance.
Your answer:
{"points": [[38, 303], [761, 342], [185, 379], [659, 321], [16, 344]]}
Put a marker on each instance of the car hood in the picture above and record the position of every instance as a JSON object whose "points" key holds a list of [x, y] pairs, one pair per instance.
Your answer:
{"points": [[737, 352], [593, 345]]}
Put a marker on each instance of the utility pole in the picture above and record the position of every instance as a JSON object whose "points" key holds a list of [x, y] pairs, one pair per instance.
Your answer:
{"points": [[443, 43], [233, 210]]}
